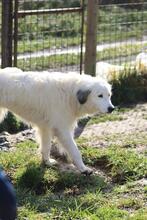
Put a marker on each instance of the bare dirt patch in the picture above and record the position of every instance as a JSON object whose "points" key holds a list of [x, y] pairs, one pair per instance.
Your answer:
{"points": [[134, 121]]}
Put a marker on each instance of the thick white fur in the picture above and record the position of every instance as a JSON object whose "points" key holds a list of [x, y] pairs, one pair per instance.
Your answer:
{"points": [[50, 102]]}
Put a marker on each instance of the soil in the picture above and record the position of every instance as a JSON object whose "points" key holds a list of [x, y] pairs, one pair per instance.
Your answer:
{"points": [[134, 121]]}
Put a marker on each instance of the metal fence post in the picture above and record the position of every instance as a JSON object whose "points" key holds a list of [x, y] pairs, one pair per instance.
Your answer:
{"points": [[15, 31], [82, 34], [91, 33], [6, 47]]}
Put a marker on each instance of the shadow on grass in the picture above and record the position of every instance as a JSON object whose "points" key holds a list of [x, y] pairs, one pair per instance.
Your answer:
{"points": [[40, 179], [42, 188], [32, 178]]}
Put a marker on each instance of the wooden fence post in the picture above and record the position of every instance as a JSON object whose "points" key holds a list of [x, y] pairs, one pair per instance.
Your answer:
{"points": [[6, 46], [91, 35]]}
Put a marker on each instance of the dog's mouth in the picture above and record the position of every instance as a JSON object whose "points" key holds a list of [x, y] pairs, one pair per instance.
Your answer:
{"points": [[109, 110]]}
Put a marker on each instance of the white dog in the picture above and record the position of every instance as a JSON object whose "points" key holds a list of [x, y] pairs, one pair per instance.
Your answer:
{"points": [[53, 103]]}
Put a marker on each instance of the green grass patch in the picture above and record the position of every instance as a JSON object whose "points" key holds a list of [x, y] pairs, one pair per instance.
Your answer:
{"points": [[134, 142], [30, 174], [34, 45], [125, 50], [51, 62], [129, 203], [140, 215], [103, 118], [117, 162], [48, 193]]}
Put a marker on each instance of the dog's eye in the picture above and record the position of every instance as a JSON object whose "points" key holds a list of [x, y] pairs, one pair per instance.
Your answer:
{"points": [[100, 96]]}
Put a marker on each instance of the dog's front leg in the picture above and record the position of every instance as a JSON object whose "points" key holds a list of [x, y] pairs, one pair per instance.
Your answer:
{"points": [[67, 141], [44, 138]]}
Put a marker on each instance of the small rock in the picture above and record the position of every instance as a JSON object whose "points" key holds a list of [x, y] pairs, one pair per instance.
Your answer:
{"points": [[8, 141], [2, 139]]}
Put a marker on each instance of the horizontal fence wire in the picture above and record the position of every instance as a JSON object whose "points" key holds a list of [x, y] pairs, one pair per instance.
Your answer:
{"points": [[48, 39], [122, 32], [48, 11]]}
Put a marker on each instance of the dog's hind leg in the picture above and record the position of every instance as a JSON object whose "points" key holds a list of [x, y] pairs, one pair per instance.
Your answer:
{"points": [[44, 138], [3, 113], [67, 141]]}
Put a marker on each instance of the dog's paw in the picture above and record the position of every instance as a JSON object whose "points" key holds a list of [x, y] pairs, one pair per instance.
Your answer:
{"points": [[50, 162], [87, 171]]}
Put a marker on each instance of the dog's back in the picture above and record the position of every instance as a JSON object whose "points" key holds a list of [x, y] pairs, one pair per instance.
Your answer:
{"points": [[36, 96]]}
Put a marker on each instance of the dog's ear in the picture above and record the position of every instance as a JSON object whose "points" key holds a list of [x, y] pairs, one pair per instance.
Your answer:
{"points": [[82, 95]]}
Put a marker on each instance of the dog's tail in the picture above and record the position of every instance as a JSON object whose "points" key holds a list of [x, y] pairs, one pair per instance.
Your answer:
{"points": [[3, 113]]}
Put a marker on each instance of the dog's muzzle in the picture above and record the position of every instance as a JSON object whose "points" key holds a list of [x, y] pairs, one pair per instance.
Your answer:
{"points": [[110, 109]]}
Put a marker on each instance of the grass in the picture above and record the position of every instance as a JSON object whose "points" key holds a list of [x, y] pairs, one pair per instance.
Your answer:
{"points": [[103, 118], [28, 46], [51, 62], [48, 193], [117, 115], [120, 51], [120, 164]]}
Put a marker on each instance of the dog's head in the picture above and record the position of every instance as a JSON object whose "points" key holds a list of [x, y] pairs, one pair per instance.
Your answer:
{"points": [[96, 97]]}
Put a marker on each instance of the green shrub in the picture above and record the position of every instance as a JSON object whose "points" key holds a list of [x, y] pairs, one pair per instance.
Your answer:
{"points": [[129, 88], [11, 124]]}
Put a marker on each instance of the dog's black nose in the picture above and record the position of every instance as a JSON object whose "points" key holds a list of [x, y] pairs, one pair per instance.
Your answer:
{"points": [[110, 109]]}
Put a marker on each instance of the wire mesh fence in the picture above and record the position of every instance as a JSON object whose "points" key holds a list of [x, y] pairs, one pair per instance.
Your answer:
{"points": [[50, 33], [48, 38], [122, 32]]}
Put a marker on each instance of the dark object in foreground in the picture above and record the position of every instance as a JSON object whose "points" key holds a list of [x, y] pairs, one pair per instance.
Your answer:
{"points": [[7, 199]]}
